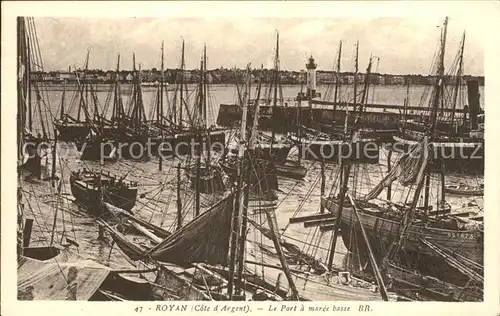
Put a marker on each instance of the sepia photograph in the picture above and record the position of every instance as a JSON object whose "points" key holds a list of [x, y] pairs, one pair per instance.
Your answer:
{"points": [[274, 159]]}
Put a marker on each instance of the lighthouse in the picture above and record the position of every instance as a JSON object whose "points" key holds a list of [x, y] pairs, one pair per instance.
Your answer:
{"points": [[311, 78]]}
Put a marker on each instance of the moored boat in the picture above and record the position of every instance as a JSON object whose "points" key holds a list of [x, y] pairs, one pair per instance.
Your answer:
{"points": [[464, 189], [90, 188]]}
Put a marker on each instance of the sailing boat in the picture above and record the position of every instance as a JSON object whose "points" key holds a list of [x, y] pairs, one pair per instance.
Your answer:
{"points": [[207, 177], [332, 147], [456, 135], [90, 187], [32, 121], [263, 179], [270, 148], [425, 237], [103, 130], [196, 128], [70, 128]]}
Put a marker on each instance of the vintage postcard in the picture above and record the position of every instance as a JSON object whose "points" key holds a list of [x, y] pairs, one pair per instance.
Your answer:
{"points": [[243, 157]]}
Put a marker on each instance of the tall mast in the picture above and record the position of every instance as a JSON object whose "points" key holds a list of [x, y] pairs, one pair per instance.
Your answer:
{"points": [[201, 97], [437, 101], [337, 85], [28, 74], [458, 81], [182, 85], [237, 201], [440, 74], [160, 104], [365, 89], [356, 76], [205, 87], [61, 117], [117, 106], [276, 74]]}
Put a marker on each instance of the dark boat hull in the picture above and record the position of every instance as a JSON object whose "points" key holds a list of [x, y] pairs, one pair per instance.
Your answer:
{"points": [[291, 169], [461, 155], [188, 143], [91, 197], [72, 131], [98, 148], [210, 180], [263, 178], [420, 287], [384, 232], [335, 151]]}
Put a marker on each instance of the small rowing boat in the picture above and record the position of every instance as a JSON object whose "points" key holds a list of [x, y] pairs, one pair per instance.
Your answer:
{"points": [[465, 189]]}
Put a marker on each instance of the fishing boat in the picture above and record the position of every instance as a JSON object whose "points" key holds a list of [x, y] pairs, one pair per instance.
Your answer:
{"points": [[206, 180], [420, 287], [69, 127], [291, 169], [465, 189], [271, 147], [91, 187], [458, 136], [430, 240], [32, 123]]}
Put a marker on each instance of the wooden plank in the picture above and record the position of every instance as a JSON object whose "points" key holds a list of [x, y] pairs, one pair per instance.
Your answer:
{"points": [[326, 228], [319, 222], [301, 219], [440, 212]]}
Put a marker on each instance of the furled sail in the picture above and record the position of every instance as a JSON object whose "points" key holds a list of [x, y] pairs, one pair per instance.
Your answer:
{"points": [[204, 239], [133, 251], [406, 170]]}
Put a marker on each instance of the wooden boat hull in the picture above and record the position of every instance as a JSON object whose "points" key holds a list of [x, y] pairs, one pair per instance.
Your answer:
{"points": [[420, 287], [263, 178], [278, 153], [188, 143], [466, 155], [98, 147], [311, 286], [91, 197], [383, 232], [364, 152], [383, 135], [210, 180], [473, 191], [32, 155], [291, 169], [69, 131]]}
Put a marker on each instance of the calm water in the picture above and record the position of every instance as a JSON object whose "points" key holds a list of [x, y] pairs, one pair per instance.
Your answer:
{"points": [[159, 202]]}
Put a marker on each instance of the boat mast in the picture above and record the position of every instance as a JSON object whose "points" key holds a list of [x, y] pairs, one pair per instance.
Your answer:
{"points": [[436, 104], [275, 92], [299, 115], [63, 97], [356, 77], [179, 201], [246, 193], [337, 86], [205, 88], [199, 139], [118, 111], [181, 104], [406, 104], [237, 201], [345, 170], [458, 82], [159, 112], [364, 97]]}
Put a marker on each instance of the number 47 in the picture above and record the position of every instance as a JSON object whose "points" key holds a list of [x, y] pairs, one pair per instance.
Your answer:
{"points": [[138, 309]]}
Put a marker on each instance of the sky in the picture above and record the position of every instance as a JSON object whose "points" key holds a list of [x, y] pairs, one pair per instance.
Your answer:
{"points": [[403, 45]]}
